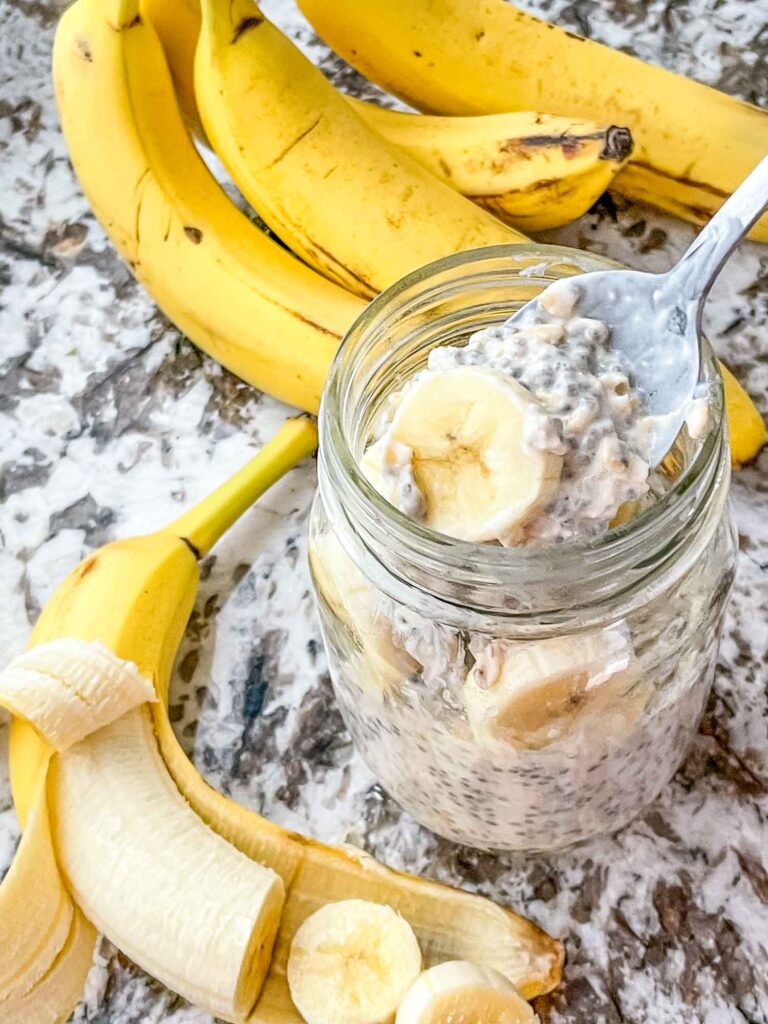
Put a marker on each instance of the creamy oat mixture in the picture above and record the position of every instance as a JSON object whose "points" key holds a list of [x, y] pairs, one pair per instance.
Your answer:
{"points": [[505, 743]]}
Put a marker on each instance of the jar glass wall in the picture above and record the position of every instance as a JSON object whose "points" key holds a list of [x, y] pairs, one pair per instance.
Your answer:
{"points": [[612, 643]]}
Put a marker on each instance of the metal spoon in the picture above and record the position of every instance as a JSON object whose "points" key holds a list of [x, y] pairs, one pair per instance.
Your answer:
{"points": [[655, 319]]}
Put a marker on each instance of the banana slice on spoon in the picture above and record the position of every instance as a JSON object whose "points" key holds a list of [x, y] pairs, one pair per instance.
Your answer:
{"points": [[351, 963], [466, 429], [463, 993]]}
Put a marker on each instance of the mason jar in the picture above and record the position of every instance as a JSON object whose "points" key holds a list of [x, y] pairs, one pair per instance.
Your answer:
{"points": [[622, 630]]}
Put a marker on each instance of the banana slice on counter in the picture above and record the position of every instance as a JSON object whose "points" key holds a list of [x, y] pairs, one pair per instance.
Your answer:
{"points": [[351, 963], [463, 993], [355, 601], [530, 694], [465, 428]]}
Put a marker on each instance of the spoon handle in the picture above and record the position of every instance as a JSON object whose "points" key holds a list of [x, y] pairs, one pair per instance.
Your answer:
{"points": [[698, 268]]}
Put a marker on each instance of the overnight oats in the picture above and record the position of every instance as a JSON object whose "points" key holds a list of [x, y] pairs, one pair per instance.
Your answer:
{"points": [[521, 614]]}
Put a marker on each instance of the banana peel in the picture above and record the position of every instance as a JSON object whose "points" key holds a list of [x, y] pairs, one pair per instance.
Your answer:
{"points": [[47, 945], [142, 619]]}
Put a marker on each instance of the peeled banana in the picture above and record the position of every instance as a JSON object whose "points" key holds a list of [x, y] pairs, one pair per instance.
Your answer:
{"points": [[68, 689], [352, 962], [694, 145], [533, 171], [236, 293], [134, 597], [179, 900], [343, 199]]}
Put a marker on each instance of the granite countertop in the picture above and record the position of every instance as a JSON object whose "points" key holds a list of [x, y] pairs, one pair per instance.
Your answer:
{"points": [[110, 423]]}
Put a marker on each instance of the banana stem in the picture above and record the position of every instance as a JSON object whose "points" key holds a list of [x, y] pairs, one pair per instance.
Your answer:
{"points": [[204, 524]]}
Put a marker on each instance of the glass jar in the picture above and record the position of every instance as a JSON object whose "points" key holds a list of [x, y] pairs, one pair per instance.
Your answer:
{"points": [[616, 638]]}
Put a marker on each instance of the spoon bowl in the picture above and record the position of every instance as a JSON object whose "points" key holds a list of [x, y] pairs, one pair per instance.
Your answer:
{"points": [[655, 319]]}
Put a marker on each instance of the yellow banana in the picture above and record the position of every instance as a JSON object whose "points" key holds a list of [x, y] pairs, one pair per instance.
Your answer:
{"points": [[340, 196], [693, 144], [134, 597], [236, 293], [746, 427], [534, 171]]}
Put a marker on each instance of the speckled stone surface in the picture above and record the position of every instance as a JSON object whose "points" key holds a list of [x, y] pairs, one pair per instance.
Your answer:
{"points": [[110, 423]]}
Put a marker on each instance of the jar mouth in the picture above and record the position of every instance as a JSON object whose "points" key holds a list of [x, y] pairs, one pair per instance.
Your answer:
{"points": [[628, 544]]}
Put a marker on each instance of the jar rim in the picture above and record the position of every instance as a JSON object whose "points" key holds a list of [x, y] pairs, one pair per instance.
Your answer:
{"points": [[626, 543]]}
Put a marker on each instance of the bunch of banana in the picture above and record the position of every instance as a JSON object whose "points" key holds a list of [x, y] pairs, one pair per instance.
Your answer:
{"points": [[534, 171], [336, 193], [236, 293], [694, 145], [190, 885]]}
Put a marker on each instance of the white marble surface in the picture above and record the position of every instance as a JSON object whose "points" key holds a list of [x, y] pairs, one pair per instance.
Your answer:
{"points": [[110, 423]]}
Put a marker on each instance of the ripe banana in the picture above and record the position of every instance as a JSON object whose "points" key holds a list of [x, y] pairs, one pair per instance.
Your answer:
{"points": [[533, 171], [464, 429], [694, 145], [236, 293], [140, 863], [134, 597], [747, 430], [463, 993], [64, 690], [351, 963], [340, 196], [179, 900]]}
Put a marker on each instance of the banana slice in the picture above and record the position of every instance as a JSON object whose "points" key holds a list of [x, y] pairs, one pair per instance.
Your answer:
{"points": [[466, 428], [354, 601], [460, 992], [351, 963], [533, 693]]}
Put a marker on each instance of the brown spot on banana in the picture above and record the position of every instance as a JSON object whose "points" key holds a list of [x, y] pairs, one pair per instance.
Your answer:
{"points": [[195, 235], [246, 25], [87, 567], [292, 145], [682, 180], [332, 264], [84, 51]]}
